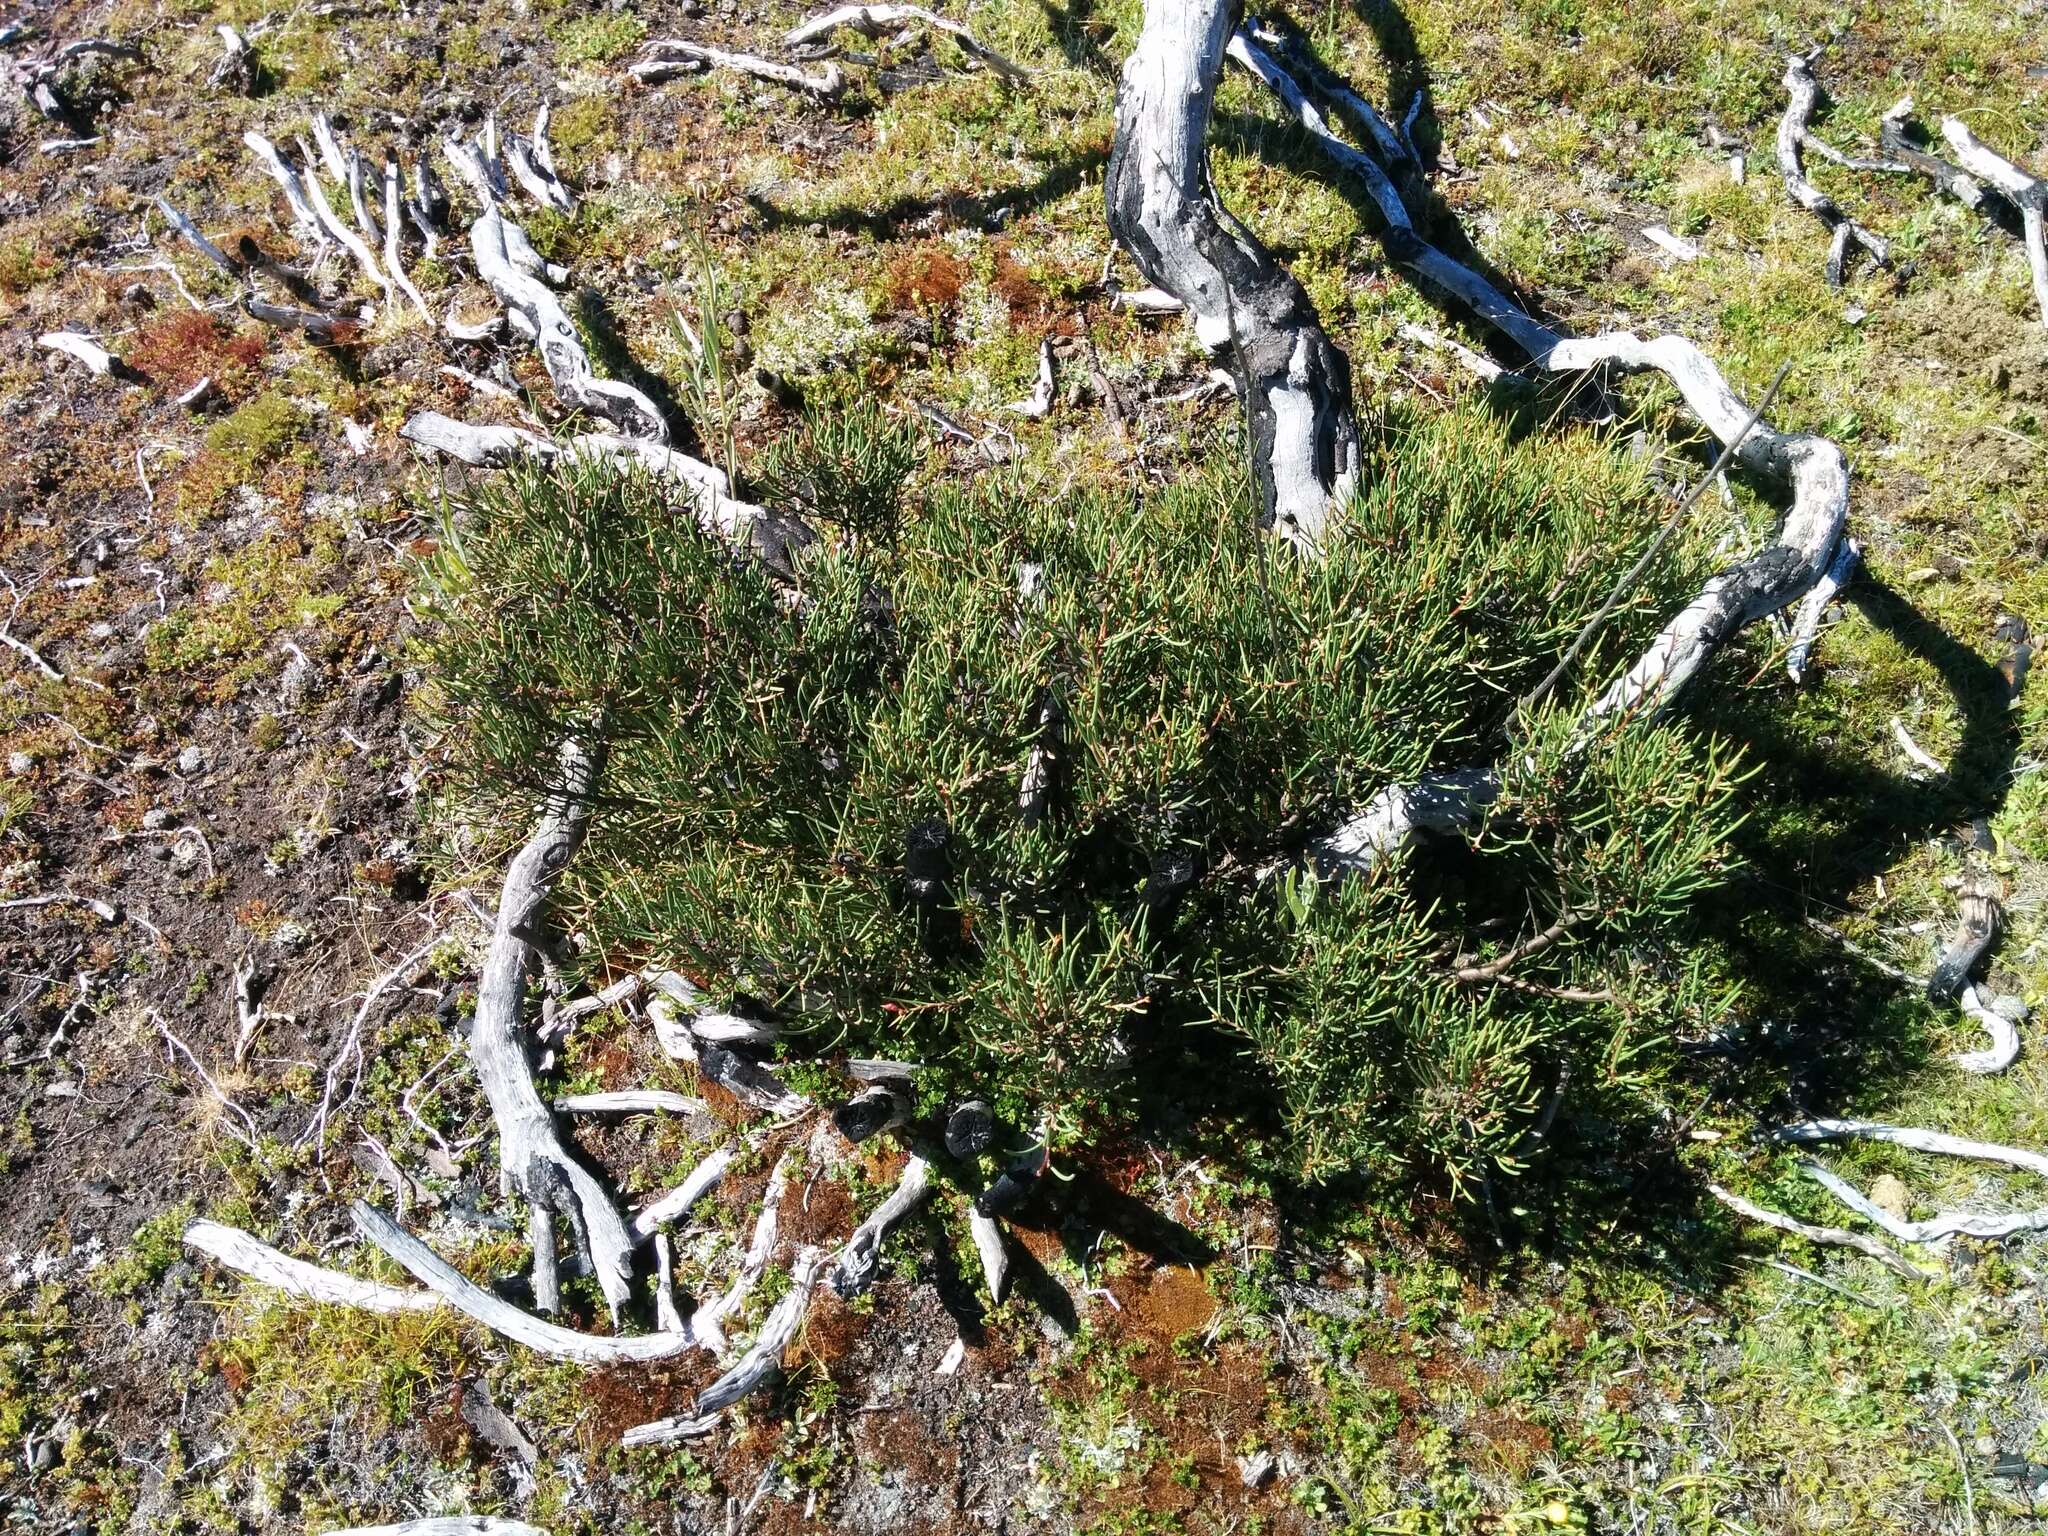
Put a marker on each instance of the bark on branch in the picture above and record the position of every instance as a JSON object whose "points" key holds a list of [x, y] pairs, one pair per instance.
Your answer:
{"points": [[1247, 309]]}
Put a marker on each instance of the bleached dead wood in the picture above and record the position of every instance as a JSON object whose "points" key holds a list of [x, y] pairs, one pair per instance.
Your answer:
{"points": [[1806, 626], [315, 221], [393, 227], [677, 1202], [534, 1162], [1909, 156], [1938, 1228], [1147, 301], [256, 1260], [668, 1316], [97, 359], [2027, 193], [670, 1431], [500, 1316], [876, 20], [1926, 766], [2004, 1035], [861, 1259], [764, 1358], [38, 73], [709, 1319], [1248, 311], [1403, 241], [235, 70], [1038, 403], [1802, 92], [532, 163], [320, 326], [198, 241], [828, 84], [1834, 1237], [987, 1233], [506, 262]]}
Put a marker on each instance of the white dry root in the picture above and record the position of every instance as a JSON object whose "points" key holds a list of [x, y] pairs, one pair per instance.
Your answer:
{"points": [[1812, 607], [1938, 1228], [630, 1101], [38, 73], [1812, 469], [876, 20], [258, 1261], [1802, 92], [235, 70], [1248, 310], [500, 1316], [1038, 404], [2029, 194], [1833, 1237], [667, 57], [860, 1261], [535, 1164], [987, 1233], [97, 359], [676, 1204]]}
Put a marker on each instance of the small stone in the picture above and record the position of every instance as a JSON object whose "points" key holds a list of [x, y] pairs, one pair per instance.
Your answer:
{"points": [[1889, 1195], [155, 819], [191, 760]]}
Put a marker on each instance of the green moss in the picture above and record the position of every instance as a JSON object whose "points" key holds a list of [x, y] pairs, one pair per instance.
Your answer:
{"points": [[155, 1246], [268, 430], [598, 39]]}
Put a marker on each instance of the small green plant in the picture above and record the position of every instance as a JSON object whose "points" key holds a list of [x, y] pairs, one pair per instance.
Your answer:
{"points": [[709, 386], [598, 39], [819, 799], [844, 467]]}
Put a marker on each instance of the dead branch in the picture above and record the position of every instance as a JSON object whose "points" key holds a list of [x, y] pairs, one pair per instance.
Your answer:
{"points": [[677, 1202], [1806, 626], [501, 1317], [987, 1233], [532, 164], [1248, 310], [1937, 1228], [534, 1162], [765, 1357], [97, 359], [2029, 194], [235, 70], [828, 84], [256, 1260], [861, 1259], [876, 20], [393, 260], [1038, 403], [1835, 1237], [447, 1525], [1794, 134], [632, 1101]]}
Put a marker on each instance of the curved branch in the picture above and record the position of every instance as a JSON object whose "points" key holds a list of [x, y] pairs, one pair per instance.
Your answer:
{"points": [[1247, 309]]}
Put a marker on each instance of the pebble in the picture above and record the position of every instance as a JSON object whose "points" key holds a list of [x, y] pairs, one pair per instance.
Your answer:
{"points": [[191, 760]]}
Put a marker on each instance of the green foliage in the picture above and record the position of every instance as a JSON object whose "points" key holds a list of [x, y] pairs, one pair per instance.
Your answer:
{"points": [[817, 802], [845, 467], [598, 39]]}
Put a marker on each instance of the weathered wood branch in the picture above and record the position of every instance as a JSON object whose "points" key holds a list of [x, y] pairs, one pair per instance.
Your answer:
{"points": [[1834, 1237], [534, 1162], [500, 1316], [1802, 92], [876, 20], [1248, 310], [663, 56], [2027, 193], [256, 1260], [860, 1261]]}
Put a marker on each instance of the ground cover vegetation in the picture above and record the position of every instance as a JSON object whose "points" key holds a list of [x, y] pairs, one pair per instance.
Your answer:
{"points": [[1443, 1250]]}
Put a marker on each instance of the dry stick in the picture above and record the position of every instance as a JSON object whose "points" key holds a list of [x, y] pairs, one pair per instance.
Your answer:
{"points": [[1835, 1237], [1806, 627], [351, 1046], [860, 1261], [874, 20], [1811, 468], [1635, 572], [501, 1316], [987, 1233], [392, 229], [827, 84], [2027, 193], [533, 1160], [631, 1101], [1802, 95], [1937, 1228], [256, 1260]]}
